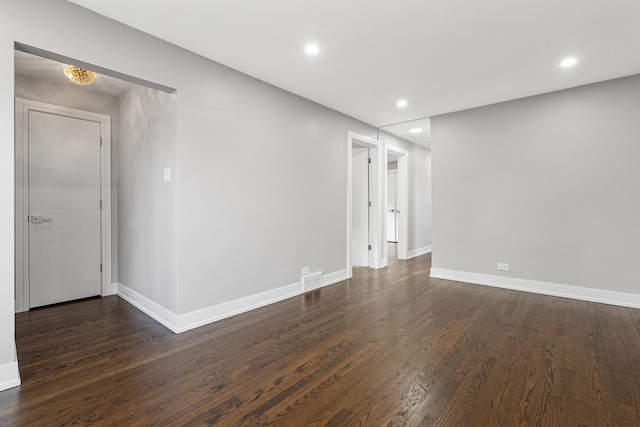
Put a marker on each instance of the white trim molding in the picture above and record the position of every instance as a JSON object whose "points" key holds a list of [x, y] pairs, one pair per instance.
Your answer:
{"points": [[150, 308], [111, 290], [338, 276], [227, 309], [377, 240], [9, 376], [183, 322], [622, 299], [420, 251]]}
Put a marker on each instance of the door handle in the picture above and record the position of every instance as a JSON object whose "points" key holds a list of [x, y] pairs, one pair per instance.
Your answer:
{"points": [[397, 211], [392, 210], [41, 219]]}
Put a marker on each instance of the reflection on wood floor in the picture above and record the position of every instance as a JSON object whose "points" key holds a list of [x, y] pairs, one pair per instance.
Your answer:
{"points": [[389, 347]]}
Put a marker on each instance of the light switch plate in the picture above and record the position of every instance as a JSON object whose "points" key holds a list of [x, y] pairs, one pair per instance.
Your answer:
{"points": [[166, 173]]}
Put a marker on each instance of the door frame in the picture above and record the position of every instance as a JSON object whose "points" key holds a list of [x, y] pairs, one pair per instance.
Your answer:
{"points": [[402, 199], [23, 106], [376, 259]]}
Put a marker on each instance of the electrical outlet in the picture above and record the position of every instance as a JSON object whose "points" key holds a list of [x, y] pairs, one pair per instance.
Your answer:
{"points": [[503, 267], [305, 270]]}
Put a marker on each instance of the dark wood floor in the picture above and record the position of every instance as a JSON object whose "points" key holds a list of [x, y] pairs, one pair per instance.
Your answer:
{"points": [[389, 347]]}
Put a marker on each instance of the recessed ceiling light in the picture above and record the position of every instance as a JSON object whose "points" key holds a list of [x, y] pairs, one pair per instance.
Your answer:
{"points": [[312, 49], [415, 130], [402, 103], [568, 63]]}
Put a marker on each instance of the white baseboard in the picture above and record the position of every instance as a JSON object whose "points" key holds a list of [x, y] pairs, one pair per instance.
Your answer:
{"points": [[338, 276], [151, 308], [227, 309], [184, 322], [420, 251], [9, 376], [111, 290], [554, 289]]}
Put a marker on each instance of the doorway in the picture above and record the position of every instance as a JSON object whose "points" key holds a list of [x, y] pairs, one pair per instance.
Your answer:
{"points": [[396, 203], [63, 198], [361, 206], [365, 238], [392, 209], [392, 199]]}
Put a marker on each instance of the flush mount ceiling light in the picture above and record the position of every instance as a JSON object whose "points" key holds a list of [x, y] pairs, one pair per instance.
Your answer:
{"points": [[568, 63], [79, 75], [402, 103], [415, 130], [312, 49]]}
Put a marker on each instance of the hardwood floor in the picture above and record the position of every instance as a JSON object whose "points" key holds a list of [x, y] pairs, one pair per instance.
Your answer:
{"points": [[388, 348]]}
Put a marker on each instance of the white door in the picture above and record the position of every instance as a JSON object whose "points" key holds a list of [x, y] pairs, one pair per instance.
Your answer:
{"points": [[392, 209], [360, 207], [64, 208]]}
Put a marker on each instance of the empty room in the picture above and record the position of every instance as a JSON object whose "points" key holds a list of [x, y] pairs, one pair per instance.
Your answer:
{"points": [[319, 213]]}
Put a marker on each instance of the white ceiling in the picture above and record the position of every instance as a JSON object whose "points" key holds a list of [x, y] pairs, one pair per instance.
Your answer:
{"points": [[403, 130], [439, 55], [51, 71]]}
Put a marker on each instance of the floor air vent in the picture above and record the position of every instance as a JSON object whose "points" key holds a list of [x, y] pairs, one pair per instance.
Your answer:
{"points": [[312, 281]]}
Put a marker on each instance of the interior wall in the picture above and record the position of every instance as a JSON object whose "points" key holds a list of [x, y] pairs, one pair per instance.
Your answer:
{"points": [[262, 172], [148, 206], [549, 184], [419, 183], [7, 211], [268, 170], [82, 99]]}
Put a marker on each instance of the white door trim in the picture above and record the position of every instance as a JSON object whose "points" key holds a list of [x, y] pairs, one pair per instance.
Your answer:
{"points": [[376, 259], [402, 199], [23, 106]]}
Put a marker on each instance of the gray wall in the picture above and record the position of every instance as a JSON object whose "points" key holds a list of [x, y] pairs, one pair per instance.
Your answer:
{"points": [[147, 206], [82, 99], [549, 184], [419, 190], [267, 170]]}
